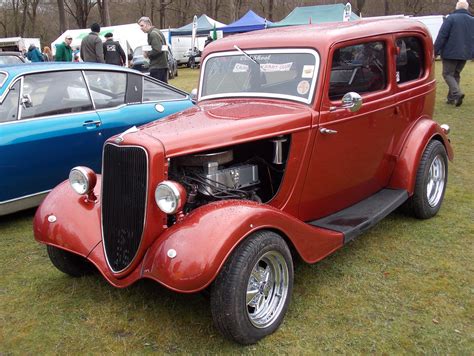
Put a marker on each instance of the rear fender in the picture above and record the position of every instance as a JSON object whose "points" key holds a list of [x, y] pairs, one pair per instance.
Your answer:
{"points": [[188, 256], [404, 174]]}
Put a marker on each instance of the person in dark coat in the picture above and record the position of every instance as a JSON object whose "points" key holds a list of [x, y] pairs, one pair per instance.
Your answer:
{"points": [[113, 52], [209, 39], [455, 44], [64, 51], [33, 54], [91, 46], [159, 54]]}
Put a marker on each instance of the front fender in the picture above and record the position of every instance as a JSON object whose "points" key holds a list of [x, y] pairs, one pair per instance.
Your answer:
{"points": [[204, 239], [80, 234], [404, 174]]}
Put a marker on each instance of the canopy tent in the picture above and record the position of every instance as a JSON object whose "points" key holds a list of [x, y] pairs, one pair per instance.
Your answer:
{"points": [[130, 36], [315, 14], [249, 22], [204, 25]]}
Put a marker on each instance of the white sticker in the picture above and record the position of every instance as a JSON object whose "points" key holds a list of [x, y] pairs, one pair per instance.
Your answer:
{"points": [[274, 67], [308, 71], [303, 87], [398, 76], [240, 68]]}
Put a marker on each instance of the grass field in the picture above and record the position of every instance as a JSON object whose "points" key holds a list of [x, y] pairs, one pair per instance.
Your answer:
{"points": [[404, 287]]}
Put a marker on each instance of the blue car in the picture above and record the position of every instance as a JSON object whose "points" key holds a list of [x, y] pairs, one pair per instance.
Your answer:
{"points": [[54, 116]]}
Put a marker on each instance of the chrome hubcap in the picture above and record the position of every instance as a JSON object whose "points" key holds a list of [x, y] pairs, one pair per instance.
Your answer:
{"points": [[436, 181], [267, 289]]}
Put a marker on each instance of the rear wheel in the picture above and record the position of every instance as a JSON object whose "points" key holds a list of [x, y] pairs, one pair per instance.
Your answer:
{"points": [[69, 263], [251, 294], [431, 180]]}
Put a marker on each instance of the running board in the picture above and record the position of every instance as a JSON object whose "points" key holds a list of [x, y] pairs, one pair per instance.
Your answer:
{"points": [[359, 217]]}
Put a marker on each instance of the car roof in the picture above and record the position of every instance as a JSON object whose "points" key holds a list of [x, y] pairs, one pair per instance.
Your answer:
{"points": [[14, 70], [10, 53], [318, 36]]}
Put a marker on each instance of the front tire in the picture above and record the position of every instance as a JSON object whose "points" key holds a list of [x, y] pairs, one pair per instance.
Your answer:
{"points": [[69, 263], [251, 294], [431, 180]]}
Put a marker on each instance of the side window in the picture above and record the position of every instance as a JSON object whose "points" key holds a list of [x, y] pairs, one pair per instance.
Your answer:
{"points": [[54, 93], [410, 59], [107, 88], [361, 68], [153, 91], [9, 106]]}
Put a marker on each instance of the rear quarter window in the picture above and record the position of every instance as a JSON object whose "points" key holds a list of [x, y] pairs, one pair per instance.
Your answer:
{"points": [[410, 59]]}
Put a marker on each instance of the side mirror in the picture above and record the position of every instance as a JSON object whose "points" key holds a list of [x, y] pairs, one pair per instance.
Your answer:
{"points": [[351, 101], [26, 101], [194, 95]]}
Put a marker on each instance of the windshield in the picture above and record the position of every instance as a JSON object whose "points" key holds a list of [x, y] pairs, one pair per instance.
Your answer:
{"points": [[287, 74]]}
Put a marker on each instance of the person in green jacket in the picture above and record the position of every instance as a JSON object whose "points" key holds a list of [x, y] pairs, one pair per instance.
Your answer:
{"points": [[64, 51], [159, 50]]}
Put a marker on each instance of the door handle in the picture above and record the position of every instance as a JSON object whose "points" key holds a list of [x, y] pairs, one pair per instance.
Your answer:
{"points": [[326, 131], [88, 123]]}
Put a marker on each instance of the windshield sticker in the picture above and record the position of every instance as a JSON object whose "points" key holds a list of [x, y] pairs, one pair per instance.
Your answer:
{"points": [[240, 68], [303, 87], [274, 67], [308, 71]]}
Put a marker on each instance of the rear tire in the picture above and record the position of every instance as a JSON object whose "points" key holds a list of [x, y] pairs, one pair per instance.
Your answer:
{"points": [[69, 263], [431, 180], [251, 294]]}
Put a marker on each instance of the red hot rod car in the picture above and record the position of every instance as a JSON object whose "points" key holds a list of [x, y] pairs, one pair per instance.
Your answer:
{"points": [[302, 139]]}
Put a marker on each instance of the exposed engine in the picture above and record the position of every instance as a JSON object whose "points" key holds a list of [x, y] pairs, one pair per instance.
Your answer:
{"points": [[251, 171]]}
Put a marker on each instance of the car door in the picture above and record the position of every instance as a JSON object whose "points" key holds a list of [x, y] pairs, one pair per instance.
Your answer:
{"points": [[123, 100], [56, 129], [350, 158]]}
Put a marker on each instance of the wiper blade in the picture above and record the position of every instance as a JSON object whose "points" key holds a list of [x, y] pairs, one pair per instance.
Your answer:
{"points": [[246, 55]]}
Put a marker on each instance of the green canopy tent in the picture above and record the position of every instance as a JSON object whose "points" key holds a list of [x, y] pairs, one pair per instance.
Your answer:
{"points": [[314, 14]]}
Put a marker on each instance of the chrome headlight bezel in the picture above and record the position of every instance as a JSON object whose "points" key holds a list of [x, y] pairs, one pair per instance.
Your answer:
{"points": [[170, 197], [82, 180]]}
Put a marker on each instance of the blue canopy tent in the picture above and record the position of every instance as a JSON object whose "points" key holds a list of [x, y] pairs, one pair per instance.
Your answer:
{"points": [[314, 14], [204, 25], [249, 22]]}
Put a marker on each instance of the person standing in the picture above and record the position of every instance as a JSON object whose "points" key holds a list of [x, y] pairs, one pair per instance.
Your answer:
{"points": [[64, 51], [91, 46], [47, 55], [455, 44], [209, 39], [33, 54], [158, 54], [113, 52]]}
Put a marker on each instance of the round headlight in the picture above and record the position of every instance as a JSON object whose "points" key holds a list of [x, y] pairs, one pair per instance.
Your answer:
{"points": [[170, 196], [82, 180]]}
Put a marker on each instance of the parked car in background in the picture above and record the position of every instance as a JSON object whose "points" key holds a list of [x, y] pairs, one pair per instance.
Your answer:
{"points": [[142, 64], [302, 139], [11, 58], [57, 116]]}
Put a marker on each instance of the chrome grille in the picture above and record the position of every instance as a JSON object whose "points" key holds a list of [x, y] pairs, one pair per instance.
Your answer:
{"points": [[124, 190]]}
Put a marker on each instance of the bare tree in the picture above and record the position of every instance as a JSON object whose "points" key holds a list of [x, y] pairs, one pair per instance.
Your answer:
{"points": [[63, 23], [360, 5], [104, 12], [32, 12], [80, 10]]}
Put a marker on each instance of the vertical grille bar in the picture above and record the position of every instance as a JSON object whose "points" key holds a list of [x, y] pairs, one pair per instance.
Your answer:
{"points": [[124, 189]]}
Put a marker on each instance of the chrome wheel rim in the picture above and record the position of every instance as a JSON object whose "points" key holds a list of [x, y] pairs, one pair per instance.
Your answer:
{"points": [[436, 181], [267, 289]]}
